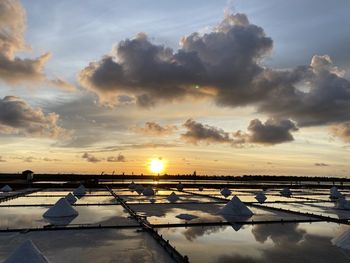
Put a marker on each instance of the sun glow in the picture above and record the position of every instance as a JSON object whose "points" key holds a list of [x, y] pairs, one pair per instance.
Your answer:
{"points": [[156, 165]]}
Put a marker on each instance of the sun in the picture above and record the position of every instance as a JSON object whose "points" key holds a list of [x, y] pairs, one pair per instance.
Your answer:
{"points": [[156, 165]]}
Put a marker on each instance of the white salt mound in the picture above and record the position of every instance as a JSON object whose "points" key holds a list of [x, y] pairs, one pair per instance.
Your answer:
{"points": [[260, 197], [180, 186], [6, 188], [61, 209], [186, 217], [172, 197], [71, 198], [225, 192], [334, 193], [342, 241], [148, 191], [81, 190], [286, 192], [27, 252], [235, 207]]}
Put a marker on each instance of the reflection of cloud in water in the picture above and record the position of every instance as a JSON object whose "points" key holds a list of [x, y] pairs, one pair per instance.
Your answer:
{"points": [[278, 233], [291, 245], [97, 245], [193, 233]]}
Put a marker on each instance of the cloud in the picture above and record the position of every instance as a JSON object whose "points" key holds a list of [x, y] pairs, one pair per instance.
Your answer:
{"points": [[310, 95], [62, 84], [90, 158], [16, 70], [269, 133], [342, 131], [51, 160], [2, 160], [222, 62], [198, 132], [321, 164], [155, 129], [225, 65], [119, 158], [18, 117], [147, 145]]}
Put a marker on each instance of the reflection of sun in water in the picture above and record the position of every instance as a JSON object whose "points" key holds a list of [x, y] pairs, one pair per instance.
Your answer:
{"points": [[156, 165]]}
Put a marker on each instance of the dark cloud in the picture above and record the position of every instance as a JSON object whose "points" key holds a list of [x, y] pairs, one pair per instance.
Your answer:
{"points": [[119, 158], [279, 234], [29, 159], [90, 158], [268, 133], [14, 70], [153, 128], [18, 117], [222, 62], [198, 132], [321, 164], [342, 131], [311, 95]]}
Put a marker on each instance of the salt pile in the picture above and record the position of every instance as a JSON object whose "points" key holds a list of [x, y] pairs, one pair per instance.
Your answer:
{"points": [[201, 188], [27, 252], [132, 186], [235, 207], [148, 191], [172, 197], [342, 241], [260, 197], [186, 217], [6, 188], [61, 209], [342, 203], [334, 193], [139, 188], [180, 186], [286, 192], [225, 192], [80, 191], [71, 198]]}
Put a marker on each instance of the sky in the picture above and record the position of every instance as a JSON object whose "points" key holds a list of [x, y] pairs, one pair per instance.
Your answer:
{"points": [[216, 87]]}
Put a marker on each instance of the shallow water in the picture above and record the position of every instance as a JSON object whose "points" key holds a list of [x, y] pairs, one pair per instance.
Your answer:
{"points": [[275, 243], [106, 245]]}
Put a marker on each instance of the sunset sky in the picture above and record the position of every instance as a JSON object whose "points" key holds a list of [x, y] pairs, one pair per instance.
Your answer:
{"points": [[217, 87]]}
